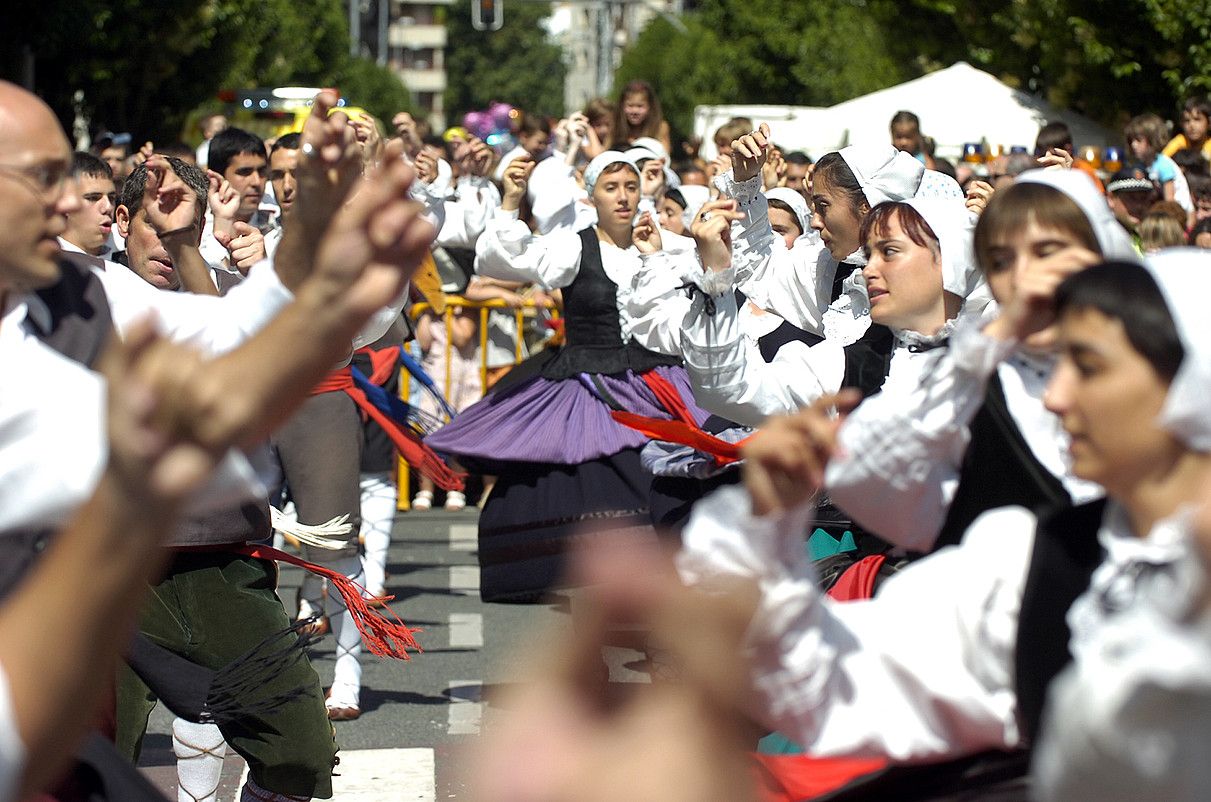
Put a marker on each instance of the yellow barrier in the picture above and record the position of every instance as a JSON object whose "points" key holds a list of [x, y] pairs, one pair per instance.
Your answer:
{"points": [[404, 500]]}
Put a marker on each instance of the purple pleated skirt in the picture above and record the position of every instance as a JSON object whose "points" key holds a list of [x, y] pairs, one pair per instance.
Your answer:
{"points": [[563, 422]]}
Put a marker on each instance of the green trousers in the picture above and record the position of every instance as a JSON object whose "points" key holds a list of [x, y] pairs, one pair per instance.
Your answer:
{"points": [[211, 608]]}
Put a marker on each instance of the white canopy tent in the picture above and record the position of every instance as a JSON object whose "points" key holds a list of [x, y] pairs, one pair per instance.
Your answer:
{"points": [[956, 105], [793, 127]]}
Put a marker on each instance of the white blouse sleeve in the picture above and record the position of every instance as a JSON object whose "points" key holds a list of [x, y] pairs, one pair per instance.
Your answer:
{"points": [[922, 671], [509, 252], [467, 217], [896, 468], [1131, 719], [793, 284], [732, 380], [660, 300]]}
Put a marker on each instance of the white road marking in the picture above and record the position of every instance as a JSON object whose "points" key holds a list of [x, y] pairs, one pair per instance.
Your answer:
{"points": [[464, 537], [464, 579], [466, 630], [373, 775], [465, 709]]}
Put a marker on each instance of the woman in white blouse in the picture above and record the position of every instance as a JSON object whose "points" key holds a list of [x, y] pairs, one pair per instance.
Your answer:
{"points": [[951, 658], [564, 462], [920, 461]]}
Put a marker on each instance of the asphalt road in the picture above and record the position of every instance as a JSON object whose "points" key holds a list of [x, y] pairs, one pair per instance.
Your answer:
{"points": [[417, 715]]}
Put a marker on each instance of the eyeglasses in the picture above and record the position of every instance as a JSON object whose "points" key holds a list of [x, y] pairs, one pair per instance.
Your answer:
{"points": [[44, 180]]}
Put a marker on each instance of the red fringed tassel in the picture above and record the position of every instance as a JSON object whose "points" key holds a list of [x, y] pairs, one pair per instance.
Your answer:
{"points": [[384, 633]]}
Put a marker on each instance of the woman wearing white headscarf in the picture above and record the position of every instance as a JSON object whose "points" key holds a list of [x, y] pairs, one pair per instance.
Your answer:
{"points": [[919, 303], [814, 285], [563, 462], [1131, 717], [816, 288], [954, 654], [918, 463]]}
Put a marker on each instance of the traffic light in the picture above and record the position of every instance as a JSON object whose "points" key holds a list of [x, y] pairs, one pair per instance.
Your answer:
{"points": [[487, 15]]}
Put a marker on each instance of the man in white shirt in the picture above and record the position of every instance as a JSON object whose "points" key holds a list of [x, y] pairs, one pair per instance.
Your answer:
{"points": [[317, 297], [88, 227]]}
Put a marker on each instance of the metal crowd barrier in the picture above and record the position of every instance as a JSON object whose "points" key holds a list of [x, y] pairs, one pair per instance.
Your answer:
{"points": [[453, 302]]}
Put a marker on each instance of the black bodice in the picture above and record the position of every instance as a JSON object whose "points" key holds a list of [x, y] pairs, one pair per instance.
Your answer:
{"points": [[592, 330]]}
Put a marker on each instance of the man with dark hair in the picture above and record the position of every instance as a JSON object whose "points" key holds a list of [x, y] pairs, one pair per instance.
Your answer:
{"points": [[114, 150], [296, 318], [167, 259], [88, 227], [239, 157], [282, 162], [1054, 134]]}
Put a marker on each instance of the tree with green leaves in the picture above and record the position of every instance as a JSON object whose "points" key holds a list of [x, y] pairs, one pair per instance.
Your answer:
{"points": [[778, 51], [1105, 58], [142, 66], [518, 64]]}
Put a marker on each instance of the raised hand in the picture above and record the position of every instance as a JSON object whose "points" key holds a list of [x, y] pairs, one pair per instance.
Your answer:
{"points": [[718, 166], [153, 454], [245, 246], [171, 206], [646, 234], [329, 163], [426, 164], [405, 129], [224, 202], [142, 154], [749, 153], [377, 241], [978, 195], [784, 462], [1029, 316], [1056, 159], [365, 131], [651, 183], [480, 157], [773, 172], [516, 180], [712, 231]]}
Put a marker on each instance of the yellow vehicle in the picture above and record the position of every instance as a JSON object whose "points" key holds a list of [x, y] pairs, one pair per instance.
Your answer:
{"points": [[270, 113]]}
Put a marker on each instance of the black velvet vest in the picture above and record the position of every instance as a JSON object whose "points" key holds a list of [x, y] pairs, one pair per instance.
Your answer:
{"points": [[80, 323], [591, 327], [998, 470], [1066, 552], [79, 327]]}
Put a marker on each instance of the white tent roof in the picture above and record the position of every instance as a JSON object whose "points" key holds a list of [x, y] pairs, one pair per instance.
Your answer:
{"points": [[805, 128], [956, 105]]}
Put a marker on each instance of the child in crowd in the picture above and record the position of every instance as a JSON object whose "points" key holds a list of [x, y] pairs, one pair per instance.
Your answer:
{"points": [[1196, 122], [906, 136], [1145, 135], [638, 115]]}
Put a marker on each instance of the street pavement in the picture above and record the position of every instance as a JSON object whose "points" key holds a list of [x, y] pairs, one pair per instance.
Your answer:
{"points": [[417, 716]]}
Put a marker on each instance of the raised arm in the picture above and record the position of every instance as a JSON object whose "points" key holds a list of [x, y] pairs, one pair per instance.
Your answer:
{"points": [[922, 671], [509, 252], [107, 554]]}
